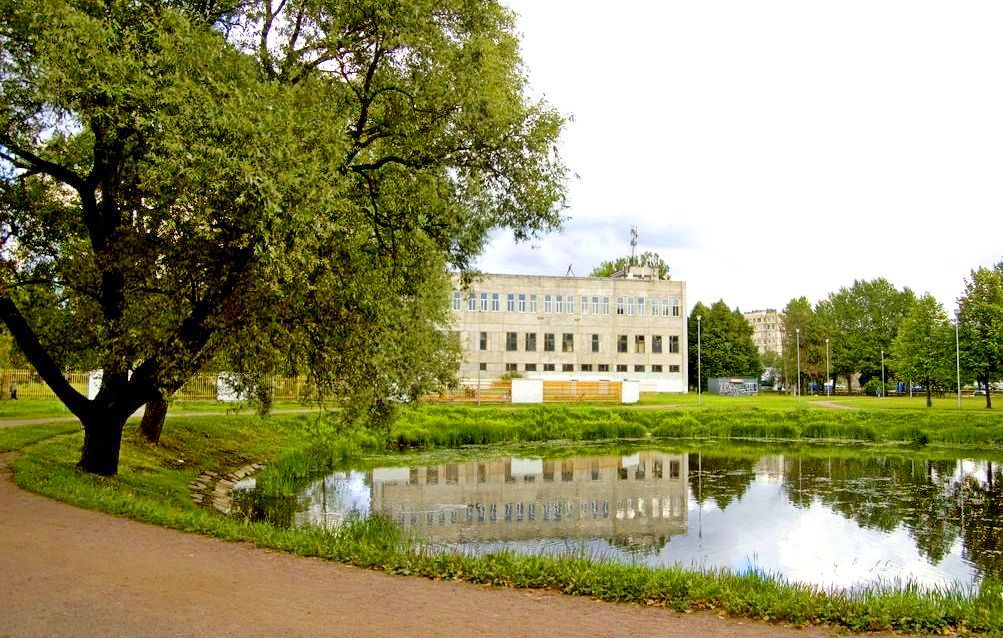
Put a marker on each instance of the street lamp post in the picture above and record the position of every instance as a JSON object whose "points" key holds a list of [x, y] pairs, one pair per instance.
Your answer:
{"points": [[882, 374], [828, 377], [797, 391], [699, 357], [957, 357]]}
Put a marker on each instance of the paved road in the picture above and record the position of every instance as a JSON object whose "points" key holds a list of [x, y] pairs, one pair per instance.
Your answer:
{"points": [[65, 571]]}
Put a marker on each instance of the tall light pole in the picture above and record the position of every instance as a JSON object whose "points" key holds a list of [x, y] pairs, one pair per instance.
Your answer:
{"points": [[882, 373], [699, 357], [957, 357], [828, 377], [797, 391]]}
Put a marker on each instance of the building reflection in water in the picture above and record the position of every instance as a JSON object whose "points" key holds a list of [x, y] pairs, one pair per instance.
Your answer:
{"points": [[639, 499]]}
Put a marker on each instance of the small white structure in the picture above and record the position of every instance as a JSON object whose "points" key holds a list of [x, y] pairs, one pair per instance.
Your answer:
{"points": [[226, 388], [527, 390], [93, 383], [630, 392]]}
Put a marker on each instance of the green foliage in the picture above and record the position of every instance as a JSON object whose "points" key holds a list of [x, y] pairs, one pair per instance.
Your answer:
{"points": [[980, 316], [172, 197], [924, 347], [725, 344], [647, 259]]}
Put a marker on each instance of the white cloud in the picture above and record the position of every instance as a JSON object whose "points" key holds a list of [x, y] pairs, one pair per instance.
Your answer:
{"points": [[791, 147]]}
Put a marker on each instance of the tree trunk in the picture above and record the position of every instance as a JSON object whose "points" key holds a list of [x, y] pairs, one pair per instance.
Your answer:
{"points": [[989, 396], [929, 399], [102, 442], [153, 419]]}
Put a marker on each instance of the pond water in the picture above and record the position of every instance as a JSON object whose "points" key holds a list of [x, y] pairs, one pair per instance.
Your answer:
{"points": [[839, 522]]}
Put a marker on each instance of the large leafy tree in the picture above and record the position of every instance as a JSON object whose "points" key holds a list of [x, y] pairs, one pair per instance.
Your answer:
{"points": [[270, 187], [924, 347], [862, 321], [804, 335], [980, 313], [647, 258], [726, 345]]}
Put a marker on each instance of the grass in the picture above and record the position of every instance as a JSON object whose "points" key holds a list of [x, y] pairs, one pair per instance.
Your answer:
{"points": [[32, 408], [40, 408], [152, 486]]}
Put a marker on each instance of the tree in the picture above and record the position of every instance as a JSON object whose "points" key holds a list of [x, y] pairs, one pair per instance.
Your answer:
{"points": [[980, 316], [263, 187], [861, 321], [726, 345], [647, 258], [804, 334], [924, 346]]}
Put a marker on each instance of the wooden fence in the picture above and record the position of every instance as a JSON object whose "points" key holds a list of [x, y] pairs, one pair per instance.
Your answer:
{"points": [[499, 392], [494, 392]]}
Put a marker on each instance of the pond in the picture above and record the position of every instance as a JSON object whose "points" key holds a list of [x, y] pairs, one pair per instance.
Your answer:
{"points": [[845, 520]]}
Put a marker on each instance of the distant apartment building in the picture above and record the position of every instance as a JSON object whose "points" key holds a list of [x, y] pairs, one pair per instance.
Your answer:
{"points": [[629, 326], [767, 330]]}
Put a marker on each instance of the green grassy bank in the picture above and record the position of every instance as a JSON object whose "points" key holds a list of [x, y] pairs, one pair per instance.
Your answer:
{"points": [[153, 486]]}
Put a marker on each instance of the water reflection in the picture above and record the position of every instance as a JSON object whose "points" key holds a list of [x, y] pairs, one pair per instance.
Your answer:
{"points": [[834, 522]]}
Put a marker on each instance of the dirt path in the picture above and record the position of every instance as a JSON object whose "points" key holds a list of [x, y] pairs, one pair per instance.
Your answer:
{"points": [[13, 423], [832, 405], [65, 571]]}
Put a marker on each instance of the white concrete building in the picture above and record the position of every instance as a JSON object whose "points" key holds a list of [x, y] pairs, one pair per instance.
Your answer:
{"points": [[630, 326], [767, 330]]}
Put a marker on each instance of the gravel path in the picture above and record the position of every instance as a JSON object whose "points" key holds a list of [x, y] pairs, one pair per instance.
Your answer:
{"points": [[65, 571]]}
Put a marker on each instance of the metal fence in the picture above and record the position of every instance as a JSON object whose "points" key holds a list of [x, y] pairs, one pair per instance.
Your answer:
{"points": [[201, 387]]}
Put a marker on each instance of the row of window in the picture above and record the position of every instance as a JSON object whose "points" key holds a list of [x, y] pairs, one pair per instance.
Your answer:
{"points": [[565, 304], [584, 367], [568, 343], [661, 507]]}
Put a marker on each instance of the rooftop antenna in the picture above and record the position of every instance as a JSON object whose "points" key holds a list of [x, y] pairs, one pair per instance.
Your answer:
{"points": [[570, 273], [633, 244]]}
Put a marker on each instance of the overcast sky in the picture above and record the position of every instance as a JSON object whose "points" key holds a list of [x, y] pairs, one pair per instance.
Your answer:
{"points": [[773, 148]]}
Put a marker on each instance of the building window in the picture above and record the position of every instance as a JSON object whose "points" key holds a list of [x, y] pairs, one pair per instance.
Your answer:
{"points": [[639, 344], [472, 302], [548, 367], [547, 307], [665, 307], [585, 305], [603, 367], [558, 305], [595, 305], [483, 366], [571, 304], [510, 302], [595, 343], [484, 302], [673, 368], [532, 304], [522, 303], [675, 307], [654, 307], [495, 302], [511, 367], [630, 305], [586, 367], [567, 367], [638, 368], [548, 342], [656, 344], [640, 306], [605, 305], [530, 367], [619, 305], [511, 341], [621, 367], [484, 341], [568, 342], [530, 342], [457, 300], [674, 344], [656, 367], [621, 343]]}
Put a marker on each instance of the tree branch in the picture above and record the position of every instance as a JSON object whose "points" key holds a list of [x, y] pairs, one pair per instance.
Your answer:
{"points": [[29, 344]]}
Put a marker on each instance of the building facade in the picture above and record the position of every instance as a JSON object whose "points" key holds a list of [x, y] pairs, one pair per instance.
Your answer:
{"points": [[630, 326], [767, 330]]}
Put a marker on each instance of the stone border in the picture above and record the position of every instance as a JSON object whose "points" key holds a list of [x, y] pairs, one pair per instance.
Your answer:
{"points": [[212, 490]]}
